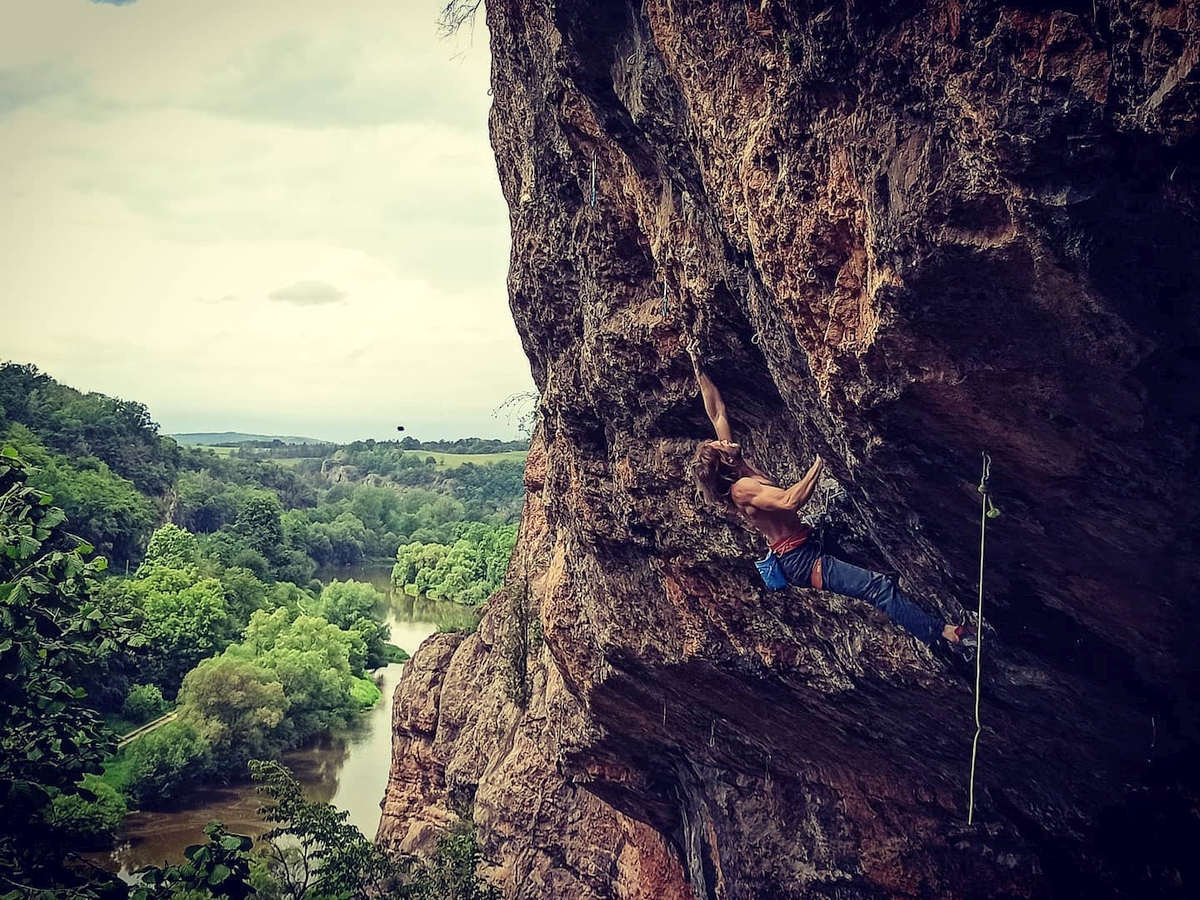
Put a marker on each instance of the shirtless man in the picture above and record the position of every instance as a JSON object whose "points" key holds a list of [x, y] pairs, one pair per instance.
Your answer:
{"points": [[729, 480]]}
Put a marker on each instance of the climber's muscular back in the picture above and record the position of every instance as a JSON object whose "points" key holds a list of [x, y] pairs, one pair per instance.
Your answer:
{"points": [[769, 508]]}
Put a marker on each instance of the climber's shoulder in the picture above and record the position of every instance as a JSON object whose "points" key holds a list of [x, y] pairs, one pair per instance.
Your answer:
{"points": [[749, 487]]}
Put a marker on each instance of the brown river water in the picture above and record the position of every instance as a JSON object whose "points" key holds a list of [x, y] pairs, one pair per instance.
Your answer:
{"points": [[348, 769]]}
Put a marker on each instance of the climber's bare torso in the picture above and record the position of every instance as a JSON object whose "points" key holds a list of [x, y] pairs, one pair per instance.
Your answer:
{"points": [[774, 524]]}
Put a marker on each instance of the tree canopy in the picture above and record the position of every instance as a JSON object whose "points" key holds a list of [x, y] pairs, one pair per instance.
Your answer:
{"points": [[117, 432], [466, 571], [53, 639]]}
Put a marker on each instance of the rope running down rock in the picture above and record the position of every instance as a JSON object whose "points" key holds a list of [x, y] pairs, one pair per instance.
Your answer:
{"points": [[989, 511]]}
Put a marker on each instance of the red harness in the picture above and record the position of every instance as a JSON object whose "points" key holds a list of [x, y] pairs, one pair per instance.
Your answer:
{"points": [[791, 542]]}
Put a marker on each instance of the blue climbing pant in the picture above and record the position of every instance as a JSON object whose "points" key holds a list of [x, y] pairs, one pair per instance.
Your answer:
{"points": [[851, 581]]}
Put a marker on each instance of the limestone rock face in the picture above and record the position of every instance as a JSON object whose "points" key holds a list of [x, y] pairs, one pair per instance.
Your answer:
{"points": [[901, 233]]}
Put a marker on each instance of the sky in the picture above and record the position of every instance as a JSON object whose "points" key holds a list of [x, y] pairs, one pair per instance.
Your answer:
{"points": [[280, 218]]}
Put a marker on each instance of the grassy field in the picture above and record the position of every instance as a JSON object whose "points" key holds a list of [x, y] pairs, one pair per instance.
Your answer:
{"points": [[451, 460], [293, 461], [288, 462]]}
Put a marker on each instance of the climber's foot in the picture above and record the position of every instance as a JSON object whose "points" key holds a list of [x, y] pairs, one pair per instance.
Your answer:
{"points": [[957, 648], [961, 634]]}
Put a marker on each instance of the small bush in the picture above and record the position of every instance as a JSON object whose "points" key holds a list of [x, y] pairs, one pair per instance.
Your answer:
{"points": [[143, 703], [522, 635], [165, 762], [364, 692], [451, 872], [395, 654], [88, 824], [452, 617]]}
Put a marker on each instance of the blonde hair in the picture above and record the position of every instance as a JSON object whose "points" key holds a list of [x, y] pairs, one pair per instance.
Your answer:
{"points": [[716, 470]]}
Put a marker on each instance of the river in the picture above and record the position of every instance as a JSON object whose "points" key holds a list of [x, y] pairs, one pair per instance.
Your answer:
{"points": [[348, 769]]}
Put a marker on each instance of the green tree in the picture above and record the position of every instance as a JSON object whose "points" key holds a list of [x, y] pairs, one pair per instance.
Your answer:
{"points": [[184, 616], [467, 571], [88, 824], [117, 432], [259, 522], [451, 873], [105, 509], [294, 566], [250, 559], [54, 635], [374, 505], [315, 853], [347, 537], [172, 547], [164, 763], [237, 706], [313, 660], [352, 606], [291, 596], [264, 629], [344, 602], [245, 594], [306, 536], [143, 703], [375, 644], [443, 511], [414, 559], [204, 503]]}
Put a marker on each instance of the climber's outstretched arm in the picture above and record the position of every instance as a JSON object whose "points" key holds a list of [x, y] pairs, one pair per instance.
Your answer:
{"points": [[713, 404]]}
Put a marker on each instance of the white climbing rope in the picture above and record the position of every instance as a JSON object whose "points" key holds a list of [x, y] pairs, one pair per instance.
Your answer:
{"points": [[988, 511]]}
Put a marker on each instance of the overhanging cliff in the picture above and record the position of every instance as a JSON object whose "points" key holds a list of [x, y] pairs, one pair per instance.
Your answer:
{"points": [[902, 233]]}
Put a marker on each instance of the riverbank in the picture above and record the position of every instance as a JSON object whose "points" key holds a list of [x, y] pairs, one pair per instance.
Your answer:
{"points": [[348, 769]]}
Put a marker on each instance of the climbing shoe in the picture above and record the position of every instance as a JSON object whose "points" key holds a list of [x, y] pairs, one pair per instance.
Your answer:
{"points": [[968, 637]]}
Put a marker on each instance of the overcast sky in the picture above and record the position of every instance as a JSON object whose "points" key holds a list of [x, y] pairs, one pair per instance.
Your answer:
{"points": [[257, 216]]}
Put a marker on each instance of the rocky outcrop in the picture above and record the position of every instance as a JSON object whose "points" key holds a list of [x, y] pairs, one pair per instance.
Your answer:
{"points": [[902, 233], [339, 473]]}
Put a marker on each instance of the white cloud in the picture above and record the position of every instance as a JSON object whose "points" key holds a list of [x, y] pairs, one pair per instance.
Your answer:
{"points": [[308, 293], [209, 150]]}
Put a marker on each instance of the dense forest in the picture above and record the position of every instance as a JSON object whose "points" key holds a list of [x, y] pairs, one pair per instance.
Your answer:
{"points": [[117, 479], [282, 448], [140, 577]]}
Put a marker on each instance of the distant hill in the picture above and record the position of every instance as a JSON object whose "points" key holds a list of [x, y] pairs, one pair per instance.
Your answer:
{"points": [[238, 437]]}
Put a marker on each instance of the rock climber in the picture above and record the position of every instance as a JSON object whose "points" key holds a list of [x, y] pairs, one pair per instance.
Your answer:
{"points": [[728, 479]]}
